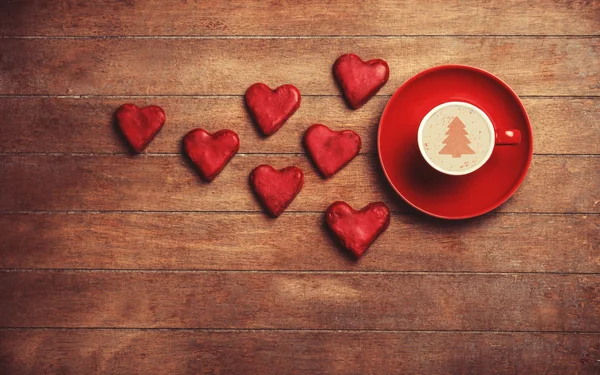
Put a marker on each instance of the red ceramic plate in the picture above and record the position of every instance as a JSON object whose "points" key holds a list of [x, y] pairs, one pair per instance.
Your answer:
{"points": [[437, 194]]}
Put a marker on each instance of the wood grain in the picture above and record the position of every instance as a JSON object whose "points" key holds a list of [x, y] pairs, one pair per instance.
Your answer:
{"points": [[291, 352], [231, 241], [34, 124], [532, 66], [343, 17], [167, 183], [205, 283], [383, 301]]}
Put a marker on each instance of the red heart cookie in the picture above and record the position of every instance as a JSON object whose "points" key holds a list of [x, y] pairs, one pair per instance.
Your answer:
{"points": [[360, 80], [210, 152], [139, 126], [271, 108], [331, 150], [276, 189], [357, 230]]}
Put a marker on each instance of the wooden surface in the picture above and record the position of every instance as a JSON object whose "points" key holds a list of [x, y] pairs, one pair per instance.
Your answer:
{"points": [[546, 66], [120, 264], [555, 184], [84, 125], [275, 18]]}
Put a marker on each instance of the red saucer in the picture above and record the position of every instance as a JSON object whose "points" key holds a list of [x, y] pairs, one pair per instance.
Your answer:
{"points": [[430, 191]]}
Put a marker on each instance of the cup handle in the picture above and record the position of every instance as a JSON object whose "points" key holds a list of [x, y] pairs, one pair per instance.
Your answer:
{"points": [[510, 137]]}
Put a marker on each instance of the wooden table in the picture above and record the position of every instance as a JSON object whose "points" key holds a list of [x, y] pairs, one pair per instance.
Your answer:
{"points": [[120, 264]]}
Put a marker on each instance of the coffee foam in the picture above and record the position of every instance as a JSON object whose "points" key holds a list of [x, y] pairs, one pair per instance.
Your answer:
{"points": [[456, 138]]}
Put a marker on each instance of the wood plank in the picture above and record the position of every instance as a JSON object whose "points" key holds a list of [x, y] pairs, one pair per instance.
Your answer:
{"points": [[497, 243], [387, 301], [342, 17], [532, 66], [294, 352], [42, 124], [167, 183]]}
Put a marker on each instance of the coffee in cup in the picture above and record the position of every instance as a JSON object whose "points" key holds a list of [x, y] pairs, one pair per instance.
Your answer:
{"points": [[457, 138]]}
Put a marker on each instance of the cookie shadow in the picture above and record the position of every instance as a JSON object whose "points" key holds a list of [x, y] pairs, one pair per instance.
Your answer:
{"points": [[122, 140], [340, 90], [348, 255], [254, 122], [259, 201], [313, 165], [189, 164]]}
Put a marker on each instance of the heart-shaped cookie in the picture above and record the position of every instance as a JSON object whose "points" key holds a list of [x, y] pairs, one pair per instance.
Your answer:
{"points": [[210, 152], [276, 189], [357, 230], [271, 108], [360, 80], [139, 126], [331, 150]]}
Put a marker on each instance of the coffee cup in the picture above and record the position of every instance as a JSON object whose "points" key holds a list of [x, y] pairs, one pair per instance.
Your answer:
{"points": [[458, 138]]}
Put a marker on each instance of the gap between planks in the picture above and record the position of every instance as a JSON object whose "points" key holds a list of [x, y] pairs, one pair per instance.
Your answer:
{"points": [[237, 96], [169, 154], [209, 212], [292, 272], [290, 330], [357, 36]]}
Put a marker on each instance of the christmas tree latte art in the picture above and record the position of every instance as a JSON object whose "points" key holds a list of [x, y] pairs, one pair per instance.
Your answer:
{"points": [[456, 138], [457, 143]]}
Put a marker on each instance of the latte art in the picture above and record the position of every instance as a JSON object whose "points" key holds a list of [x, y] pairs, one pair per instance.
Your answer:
{"points": [[456, 138], [456, 142]]}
